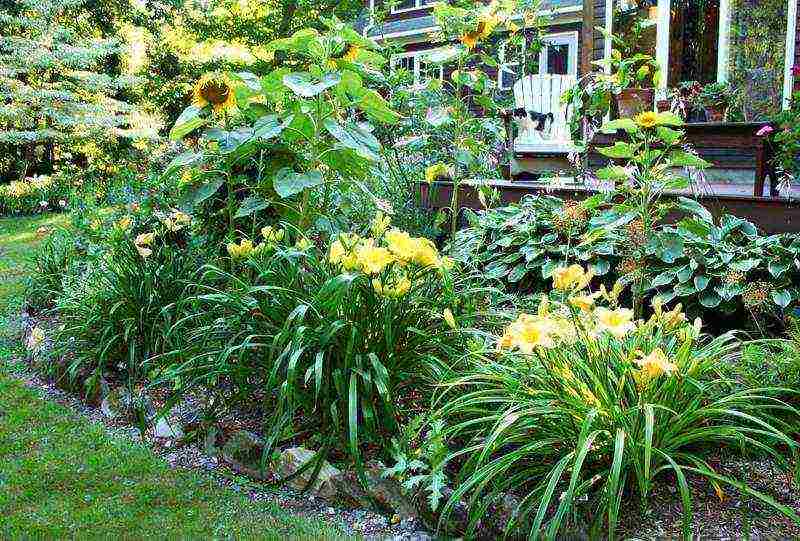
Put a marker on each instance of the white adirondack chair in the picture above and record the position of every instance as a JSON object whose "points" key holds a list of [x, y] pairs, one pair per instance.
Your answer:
{"points": [[542, 93]]}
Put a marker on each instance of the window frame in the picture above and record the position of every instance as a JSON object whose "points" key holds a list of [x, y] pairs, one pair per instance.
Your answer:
{"points": [[417, 57], [664, 20], [418, 5], [569, 38]]}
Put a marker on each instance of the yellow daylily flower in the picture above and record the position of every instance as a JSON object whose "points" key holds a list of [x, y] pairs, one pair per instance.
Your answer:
{"points": [[655, 364], [571, 278], [373, 259], [618, 322], [448, 317]]}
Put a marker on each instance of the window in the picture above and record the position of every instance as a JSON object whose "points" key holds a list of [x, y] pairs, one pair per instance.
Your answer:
{"points": [[409, 5], [748, 43], [558, 56], [414, 62]]}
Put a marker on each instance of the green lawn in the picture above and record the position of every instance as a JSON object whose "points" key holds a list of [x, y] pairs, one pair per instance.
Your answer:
{"points": [[64, 477]]}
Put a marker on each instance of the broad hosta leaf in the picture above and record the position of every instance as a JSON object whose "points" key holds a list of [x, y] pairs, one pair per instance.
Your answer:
{"points": [[665, 278], [288, 182], [601, 267], [250, 205], [517, 273], [619, 150], [303, 84], [701, 282], [354, 137], [685, 289], [669, 247], [199, 193], [684, 273], [709, 299], [777, 268], [782, 297], [681, 158], [189, 121], [745, 265], [693, 207]]}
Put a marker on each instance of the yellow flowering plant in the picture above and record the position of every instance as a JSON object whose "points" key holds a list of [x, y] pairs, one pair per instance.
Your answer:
{"points": [[332, 334], [580, 406]]}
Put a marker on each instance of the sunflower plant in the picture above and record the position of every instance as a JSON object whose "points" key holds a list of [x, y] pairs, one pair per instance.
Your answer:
{"points": [[451, 124], [286, 141], [582, 404], [655, 160]]}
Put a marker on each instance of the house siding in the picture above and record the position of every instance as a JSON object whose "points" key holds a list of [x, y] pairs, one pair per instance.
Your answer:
{"points": [[797, 52]]}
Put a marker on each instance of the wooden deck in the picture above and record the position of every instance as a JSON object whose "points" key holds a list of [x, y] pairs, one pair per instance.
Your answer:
{"points": [[772, 214]]}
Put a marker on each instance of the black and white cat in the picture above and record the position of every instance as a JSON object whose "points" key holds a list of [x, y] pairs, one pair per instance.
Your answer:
{"points": [[528, 121]]}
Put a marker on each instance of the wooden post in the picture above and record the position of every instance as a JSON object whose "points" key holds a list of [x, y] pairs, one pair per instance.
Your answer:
{"points": [[587, 45]]}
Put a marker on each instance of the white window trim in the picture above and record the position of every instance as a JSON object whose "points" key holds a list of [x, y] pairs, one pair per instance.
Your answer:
{"points": [[723, 57], [418, 5], [417, 56], [558, 38]]}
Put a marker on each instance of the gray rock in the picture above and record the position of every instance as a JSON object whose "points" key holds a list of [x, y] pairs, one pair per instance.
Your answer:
{"points": [[243, 452], [293, 459], [167, 427]]}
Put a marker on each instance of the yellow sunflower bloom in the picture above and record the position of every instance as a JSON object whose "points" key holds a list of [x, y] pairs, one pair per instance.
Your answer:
{"points": [[216, 91], [647, 119]]}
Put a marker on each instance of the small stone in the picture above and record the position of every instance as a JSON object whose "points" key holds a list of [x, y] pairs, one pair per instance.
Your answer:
{"points": [[168, 428], [293, 459], [243, 451]]}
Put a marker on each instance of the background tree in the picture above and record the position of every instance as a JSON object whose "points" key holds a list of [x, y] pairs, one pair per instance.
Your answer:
{"points": [[59, 82]]}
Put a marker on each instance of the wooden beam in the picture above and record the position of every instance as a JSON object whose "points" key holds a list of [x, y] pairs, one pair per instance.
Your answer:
{"points": [[587, 45]]}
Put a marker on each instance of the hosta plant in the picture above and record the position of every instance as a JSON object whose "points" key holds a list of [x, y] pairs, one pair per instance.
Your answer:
{"points": [[582, 405]]}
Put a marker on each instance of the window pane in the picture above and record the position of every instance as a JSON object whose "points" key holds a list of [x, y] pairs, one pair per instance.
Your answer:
{"points": [[404, 4], [758, 49], [635, 22], [694, 41], [558, 59], [428, 71]]}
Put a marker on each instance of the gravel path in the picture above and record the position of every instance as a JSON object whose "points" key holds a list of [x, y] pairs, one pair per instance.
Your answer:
{"points": [[357, 522]]}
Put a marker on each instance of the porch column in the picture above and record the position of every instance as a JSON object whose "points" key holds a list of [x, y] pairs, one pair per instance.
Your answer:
{"points": [[724, 51], [662, 46], [791, 36], [609, 29]]}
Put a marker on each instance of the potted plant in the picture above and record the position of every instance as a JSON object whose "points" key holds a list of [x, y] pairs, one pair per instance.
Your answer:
{"points": [[634, 77], [716, 97], [685, 101]]}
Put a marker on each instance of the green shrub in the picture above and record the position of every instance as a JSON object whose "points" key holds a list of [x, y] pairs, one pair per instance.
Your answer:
{"points": [[591, 406], [34, 195]]}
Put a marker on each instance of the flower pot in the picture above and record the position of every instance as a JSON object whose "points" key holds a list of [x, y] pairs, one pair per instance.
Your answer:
{"points": [[632, 101], [716, 113], [696, 115], [663, 106]]}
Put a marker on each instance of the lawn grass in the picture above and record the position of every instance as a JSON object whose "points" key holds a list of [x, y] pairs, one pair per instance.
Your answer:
{"points": [[62, 476]]}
